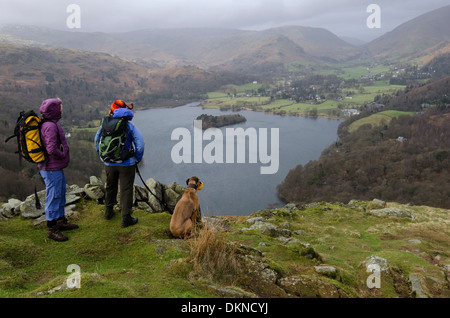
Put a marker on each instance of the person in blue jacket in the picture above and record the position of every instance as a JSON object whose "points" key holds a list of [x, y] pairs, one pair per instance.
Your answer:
{"points": [[125, 171]]}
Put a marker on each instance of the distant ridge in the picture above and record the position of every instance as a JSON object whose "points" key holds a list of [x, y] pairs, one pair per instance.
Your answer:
{"points": [[221, 49], [415, 37], [419, 39]]}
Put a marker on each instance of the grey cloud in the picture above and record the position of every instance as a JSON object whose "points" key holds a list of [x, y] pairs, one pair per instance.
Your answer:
{"points": [[344, 17]]}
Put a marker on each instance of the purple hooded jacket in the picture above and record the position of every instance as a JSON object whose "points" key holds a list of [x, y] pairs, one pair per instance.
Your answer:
{"points": [[53, 137]]}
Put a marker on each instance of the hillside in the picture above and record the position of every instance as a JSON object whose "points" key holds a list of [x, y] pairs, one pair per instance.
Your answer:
{"points": [[319, 250], [88, 83], [218, 49], [86, 78], [422, 36], [412, 99], [319, 43], [259, 52], [405, 160]]}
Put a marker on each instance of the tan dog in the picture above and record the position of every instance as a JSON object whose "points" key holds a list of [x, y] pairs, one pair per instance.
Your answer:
{"points": [[184, 217]]}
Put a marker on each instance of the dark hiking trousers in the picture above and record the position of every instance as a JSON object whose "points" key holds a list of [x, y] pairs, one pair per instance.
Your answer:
{"points": [[124, 176]]}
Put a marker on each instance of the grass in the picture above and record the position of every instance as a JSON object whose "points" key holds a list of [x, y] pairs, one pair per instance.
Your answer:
{"points": [[344, 237], [325, 108], [375, 120], [351, 71], [115, 262], [213, 258], [144, 261]]}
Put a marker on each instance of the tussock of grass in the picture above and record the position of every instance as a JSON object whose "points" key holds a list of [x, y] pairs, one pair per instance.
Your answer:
{"points": [[213, 257]]}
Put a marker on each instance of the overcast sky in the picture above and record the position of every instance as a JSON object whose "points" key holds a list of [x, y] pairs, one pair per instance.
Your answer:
{"points": [[342, 17]]}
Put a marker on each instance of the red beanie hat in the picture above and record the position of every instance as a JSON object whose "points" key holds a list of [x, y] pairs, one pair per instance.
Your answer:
{"points": [[119, 104]]}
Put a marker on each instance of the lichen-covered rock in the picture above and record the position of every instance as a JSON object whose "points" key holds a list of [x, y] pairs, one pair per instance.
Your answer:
{"points": [[376, 260], [94, 192], [11, 208], [28, 208], [171, 199], [329, 271], [392, 212], [267, 228], [310, 287]]}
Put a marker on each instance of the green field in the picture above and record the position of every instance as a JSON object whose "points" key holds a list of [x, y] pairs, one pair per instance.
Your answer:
{"points": [[355, 98], [375, 120], [349, 71]]}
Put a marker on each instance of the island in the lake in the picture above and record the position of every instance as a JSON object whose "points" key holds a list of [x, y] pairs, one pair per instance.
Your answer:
{"points": [[210, 121]]}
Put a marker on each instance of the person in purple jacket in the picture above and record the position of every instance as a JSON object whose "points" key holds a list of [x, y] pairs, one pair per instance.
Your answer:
{"points": [[52, 171]]}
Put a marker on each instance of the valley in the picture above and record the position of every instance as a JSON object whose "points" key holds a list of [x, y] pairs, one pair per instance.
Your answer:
{"points": [[331, 181], [288, 71]]}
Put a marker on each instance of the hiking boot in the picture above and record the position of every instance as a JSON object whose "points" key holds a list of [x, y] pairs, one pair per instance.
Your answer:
{"points": [[56, 235], [64, 225], [128, 220], [109, 212]]}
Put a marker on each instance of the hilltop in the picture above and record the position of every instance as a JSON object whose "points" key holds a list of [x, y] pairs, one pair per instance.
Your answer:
{"points": [[318, 250], [426, 35]]}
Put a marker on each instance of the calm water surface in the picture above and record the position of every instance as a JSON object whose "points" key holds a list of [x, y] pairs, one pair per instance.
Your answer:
{"points": [[230, 188]]}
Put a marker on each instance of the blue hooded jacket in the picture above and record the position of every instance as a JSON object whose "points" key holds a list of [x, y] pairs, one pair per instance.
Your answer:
{"points": [[135, 139]]}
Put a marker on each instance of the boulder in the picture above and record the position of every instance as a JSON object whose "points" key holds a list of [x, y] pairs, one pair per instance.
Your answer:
{"points": [[145, 206], [269, 229], [416, 286], [177, 188], [28, 207], [329, 271], [256, 219], [155, 187], [94, 192], [69, 211], [171, 199], [75, 190], [141, 194], [11, 208], [287, 240], [93, 180], [392, 212], [289, 208], [376, 260], [155, 204], [310, 287], [71, 198], [379, 203]]}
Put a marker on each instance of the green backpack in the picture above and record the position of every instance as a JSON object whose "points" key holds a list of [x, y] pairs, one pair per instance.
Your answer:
{"points": [[112, 141]]}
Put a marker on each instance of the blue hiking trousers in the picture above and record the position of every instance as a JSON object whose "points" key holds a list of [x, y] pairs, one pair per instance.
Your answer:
{"points": [[55, 200]]}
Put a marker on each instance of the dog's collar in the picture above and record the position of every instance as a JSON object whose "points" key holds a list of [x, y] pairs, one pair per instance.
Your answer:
{"points": [[192, 185]]}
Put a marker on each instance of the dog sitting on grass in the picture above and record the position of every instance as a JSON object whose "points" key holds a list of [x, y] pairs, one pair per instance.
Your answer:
{"points": [[184, 217]]}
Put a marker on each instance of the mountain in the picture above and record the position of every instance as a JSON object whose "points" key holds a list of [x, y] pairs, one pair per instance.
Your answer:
{"points": [[421, 39], [416, 38], [318, 43], [219, 49]]}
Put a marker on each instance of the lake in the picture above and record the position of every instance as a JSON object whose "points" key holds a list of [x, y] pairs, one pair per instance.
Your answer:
{"points": [[230, 188]]}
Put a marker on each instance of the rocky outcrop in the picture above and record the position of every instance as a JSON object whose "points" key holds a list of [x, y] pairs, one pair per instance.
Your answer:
{"points": [[160, 198], [392, 212]]}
